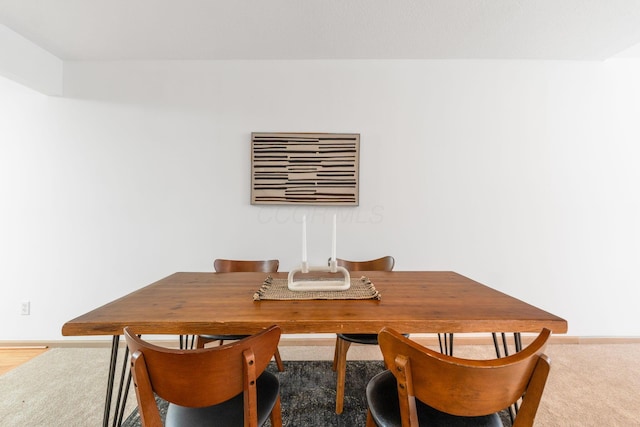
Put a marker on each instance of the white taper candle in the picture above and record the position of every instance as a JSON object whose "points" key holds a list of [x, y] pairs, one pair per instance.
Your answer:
{"points": [[333, 240], [304, 238]]}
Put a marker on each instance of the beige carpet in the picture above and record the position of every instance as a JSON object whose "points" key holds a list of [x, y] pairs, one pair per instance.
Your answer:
{"points": [[589, 385]]}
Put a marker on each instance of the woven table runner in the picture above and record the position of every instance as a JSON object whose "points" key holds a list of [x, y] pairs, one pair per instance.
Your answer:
{"points": [[277, 289]]}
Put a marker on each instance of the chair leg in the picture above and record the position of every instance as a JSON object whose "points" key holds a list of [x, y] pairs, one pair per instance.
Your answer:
{"points": [[279, 363], [341, 369], [336, 353], [370, 421], [276, 414], [201, 341]]}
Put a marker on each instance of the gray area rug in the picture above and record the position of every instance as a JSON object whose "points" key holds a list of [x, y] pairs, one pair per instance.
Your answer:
{"points": [[590, 385], [308, 395]]}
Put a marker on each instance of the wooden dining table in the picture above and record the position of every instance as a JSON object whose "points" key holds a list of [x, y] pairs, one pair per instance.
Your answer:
{"points": [[188, 303]]}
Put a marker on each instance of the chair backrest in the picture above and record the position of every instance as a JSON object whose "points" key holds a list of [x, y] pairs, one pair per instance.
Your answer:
{"points": [[466, 387], [380, 264], [236, 266], [198, 378]]}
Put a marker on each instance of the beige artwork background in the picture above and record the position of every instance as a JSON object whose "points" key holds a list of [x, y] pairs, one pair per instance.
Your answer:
{"points": [[305, 168]]}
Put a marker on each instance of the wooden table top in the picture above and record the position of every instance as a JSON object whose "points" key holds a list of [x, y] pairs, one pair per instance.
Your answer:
{"points": [[222, 303]]}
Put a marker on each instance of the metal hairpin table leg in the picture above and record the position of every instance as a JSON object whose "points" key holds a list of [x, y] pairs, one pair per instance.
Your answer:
{"points": [[517, 341], [119, 410], [123, 387], [446, 344], [504, 344], [112, 372], [184, 342], [495, 344]]}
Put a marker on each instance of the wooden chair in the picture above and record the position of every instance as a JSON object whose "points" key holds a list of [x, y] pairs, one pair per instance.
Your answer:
{"points": [[423, 387], [239, 266], [228, 387], [344, 341]]}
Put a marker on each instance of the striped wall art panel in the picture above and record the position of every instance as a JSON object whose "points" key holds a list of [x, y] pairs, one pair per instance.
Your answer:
{"points": [[305, 168]]}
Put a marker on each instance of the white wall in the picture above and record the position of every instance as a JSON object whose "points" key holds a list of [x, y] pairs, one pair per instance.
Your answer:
{"points": [[25, 62], [519, 174]]}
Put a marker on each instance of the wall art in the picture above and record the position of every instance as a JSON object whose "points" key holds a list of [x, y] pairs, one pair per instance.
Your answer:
{"points": [[305, 168]]}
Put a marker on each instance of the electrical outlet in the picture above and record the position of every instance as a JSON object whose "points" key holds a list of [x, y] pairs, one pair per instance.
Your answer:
{"points": [[25, 308]]}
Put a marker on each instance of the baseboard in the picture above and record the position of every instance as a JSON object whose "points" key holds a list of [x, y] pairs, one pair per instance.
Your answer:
{"points": [[22, 347], [303, 342]]}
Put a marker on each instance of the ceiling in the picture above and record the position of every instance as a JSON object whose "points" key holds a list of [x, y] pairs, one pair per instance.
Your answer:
{"points": [[328, 29]]}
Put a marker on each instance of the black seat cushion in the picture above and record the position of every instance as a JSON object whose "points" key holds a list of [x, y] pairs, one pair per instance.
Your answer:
{"points": [[229, 413], [371, 339], [224, 337], [382, 398]]}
